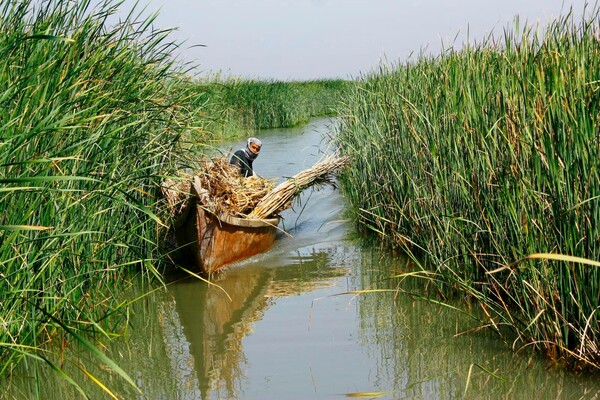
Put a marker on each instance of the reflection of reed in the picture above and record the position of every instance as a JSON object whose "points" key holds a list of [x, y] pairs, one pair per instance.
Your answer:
{"points": [[298, 286], [449, 355], [421, 363]]}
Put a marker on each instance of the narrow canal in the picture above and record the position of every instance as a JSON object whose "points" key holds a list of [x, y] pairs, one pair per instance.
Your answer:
{"points": [[280, 327]]}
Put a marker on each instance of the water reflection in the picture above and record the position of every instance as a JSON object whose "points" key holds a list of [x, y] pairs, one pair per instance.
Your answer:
{"points": [[424, 350], [208, 359]]}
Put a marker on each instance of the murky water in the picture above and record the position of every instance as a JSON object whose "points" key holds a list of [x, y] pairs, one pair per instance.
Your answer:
{"points": [[279, 326]]}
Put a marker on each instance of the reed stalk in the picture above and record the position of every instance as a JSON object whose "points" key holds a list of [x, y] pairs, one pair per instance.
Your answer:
{"points": [[282, 196]]}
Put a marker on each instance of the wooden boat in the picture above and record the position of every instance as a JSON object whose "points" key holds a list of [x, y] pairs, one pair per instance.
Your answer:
{"points": [[211, 242]]}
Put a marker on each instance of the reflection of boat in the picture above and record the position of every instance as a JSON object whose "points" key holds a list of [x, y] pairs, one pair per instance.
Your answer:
{"points": [[208, 352], [215, 322], [212, 242]]}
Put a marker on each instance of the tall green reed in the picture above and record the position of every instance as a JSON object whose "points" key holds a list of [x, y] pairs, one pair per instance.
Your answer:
{"points": [[241, 106], [478, 157], [92, 117]]}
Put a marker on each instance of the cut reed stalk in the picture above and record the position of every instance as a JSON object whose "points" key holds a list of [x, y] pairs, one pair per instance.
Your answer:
{"points": [[284, 194]]}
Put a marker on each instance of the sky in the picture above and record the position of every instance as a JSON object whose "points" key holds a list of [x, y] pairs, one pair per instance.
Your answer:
{"points": [[315, 39]]}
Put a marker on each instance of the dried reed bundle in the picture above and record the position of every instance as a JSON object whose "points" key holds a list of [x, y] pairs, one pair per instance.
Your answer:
{"points": [[228, 192], [283, 195], [224, 191]]}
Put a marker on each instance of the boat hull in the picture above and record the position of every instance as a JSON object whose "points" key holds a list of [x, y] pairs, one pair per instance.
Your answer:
{"points": [[211, 243]]}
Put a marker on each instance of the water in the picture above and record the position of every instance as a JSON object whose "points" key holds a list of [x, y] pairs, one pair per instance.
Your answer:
{"points": [[279, 325]]}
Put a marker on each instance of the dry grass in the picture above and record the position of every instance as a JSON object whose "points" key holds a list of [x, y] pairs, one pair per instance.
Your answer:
{"points": [[177, 193], [228, 191], [223, 190]]}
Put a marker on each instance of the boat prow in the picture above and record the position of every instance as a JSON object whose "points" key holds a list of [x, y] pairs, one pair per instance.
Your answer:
{"points": [[212, 242]]}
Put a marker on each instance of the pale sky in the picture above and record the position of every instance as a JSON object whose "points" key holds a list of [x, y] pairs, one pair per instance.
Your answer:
{"points": [[312, 39]]}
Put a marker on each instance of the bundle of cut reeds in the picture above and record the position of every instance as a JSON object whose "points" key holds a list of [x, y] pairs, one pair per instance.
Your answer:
{"points": [[227, 192], [223, 191], [282, 196]]}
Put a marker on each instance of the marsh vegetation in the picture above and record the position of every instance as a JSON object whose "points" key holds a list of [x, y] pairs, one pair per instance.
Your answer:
{"points": [[470, 162], [239, 107], [477, 160], [94, 117]]}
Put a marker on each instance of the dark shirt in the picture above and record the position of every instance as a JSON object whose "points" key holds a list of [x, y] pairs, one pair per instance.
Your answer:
{"points": [[243, 161]]}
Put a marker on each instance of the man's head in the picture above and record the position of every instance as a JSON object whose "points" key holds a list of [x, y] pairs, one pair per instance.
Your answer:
{"points": [[254, 145]]}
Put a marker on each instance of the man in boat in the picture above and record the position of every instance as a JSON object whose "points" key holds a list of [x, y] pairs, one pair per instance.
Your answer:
{"points": [[243, 158]]}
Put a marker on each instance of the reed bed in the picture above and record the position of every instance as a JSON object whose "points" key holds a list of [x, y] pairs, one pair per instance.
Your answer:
{"points": [[478, 157], [92, 119], [240, 107]]}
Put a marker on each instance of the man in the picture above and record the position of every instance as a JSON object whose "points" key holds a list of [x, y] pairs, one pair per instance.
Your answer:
{"points": [[243, 158]]}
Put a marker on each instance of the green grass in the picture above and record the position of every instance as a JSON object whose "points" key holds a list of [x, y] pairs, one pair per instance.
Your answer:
{"points": [[91, 118], [478, 157]]}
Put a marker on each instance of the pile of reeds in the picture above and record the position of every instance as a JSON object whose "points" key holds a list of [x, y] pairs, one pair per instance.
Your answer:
{"points": [[284, 194], [177, 192], [222, 190], [227, 192]]}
